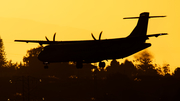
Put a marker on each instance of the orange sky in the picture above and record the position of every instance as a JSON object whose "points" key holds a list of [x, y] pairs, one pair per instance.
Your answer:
{"points": [[76, 19]]}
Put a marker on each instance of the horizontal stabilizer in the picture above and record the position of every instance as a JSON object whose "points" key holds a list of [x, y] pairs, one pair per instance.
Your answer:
{"points": [[131, 18], [156, 35], [139, 17], [156, 16]]}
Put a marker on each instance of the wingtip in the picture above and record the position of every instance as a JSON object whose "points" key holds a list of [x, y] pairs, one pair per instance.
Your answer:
{"points": [[164, 34]]}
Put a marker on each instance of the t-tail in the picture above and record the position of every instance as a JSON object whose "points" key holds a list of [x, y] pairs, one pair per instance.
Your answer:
{"points": [[141, 28]]}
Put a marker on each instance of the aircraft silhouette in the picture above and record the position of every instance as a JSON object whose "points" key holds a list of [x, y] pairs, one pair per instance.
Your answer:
{"points": [[97, 50]]}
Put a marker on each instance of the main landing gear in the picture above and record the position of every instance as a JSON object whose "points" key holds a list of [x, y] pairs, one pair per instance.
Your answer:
{"points": [[79, 64], [102, 64], [46, 65]]}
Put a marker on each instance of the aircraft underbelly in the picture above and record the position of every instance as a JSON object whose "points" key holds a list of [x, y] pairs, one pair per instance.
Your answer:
{"points": [[117, 53], [92, 54]]}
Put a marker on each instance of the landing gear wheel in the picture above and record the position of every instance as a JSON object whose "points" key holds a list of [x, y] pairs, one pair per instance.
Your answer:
{"points": [[102, 64], [46, 67]]}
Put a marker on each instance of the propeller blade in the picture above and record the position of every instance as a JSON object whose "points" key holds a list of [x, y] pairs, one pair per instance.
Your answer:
{"points": [[46, 38], [54, 36], [93, 36], [100, 35]]}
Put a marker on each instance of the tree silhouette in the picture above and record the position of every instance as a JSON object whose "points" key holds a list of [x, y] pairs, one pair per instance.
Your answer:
{"points": [[32, 54], [3, 63], [126, 68], [144, 64], [2, 54], [114, 67], [129, 69], [166, 69], [177, 72]]}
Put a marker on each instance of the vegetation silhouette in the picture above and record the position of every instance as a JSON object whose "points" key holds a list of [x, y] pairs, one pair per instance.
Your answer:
{"points": [[140, 79]]}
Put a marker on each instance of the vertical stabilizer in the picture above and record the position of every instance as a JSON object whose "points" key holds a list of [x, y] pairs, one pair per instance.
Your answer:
{"points": [[141, 27]]}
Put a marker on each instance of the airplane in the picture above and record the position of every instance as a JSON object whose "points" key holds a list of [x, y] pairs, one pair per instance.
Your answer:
{"points": [[97, 50]]}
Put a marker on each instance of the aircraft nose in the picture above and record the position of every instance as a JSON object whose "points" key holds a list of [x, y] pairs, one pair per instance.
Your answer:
{"points": [[41, 56]]}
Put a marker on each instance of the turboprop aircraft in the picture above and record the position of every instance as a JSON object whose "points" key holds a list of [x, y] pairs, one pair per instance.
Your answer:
{"points": [[97, 50]]}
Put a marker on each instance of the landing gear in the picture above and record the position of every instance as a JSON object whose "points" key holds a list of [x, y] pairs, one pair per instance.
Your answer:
{"points": [[102, 64], [79, 64], [46, 65]]}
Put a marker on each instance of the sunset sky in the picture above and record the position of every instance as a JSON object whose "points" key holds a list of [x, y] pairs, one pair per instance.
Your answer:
{"points": [[77, 19]]}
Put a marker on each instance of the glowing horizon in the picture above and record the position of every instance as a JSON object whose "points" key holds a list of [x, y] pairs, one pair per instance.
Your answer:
{"points": [[75, 20]]}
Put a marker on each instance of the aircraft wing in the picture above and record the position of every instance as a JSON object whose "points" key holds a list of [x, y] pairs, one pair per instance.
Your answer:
{"points": [[66, 42], [51, 42], [37, 41]]}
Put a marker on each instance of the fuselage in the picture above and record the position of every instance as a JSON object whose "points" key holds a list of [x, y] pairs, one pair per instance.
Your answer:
{"points": [[92, 51]]}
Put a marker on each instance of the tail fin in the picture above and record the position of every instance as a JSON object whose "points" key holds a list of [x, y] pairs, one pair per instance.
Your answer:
{"points": [[141, 27]]}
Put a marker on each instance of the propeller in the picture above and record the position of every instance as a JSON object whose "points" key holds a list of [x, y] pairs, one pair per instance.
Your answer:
{"points": [[53, 37], [99, 36]]}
